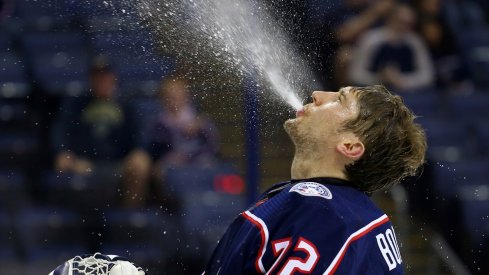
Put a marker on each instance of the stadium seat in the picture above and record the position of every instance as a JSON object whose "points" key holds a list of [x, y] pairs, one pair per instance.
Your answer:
{"points": [[59, 61], [109, 16], [482, 129], [130, 226], [15, 115], [476, 220], [132, 53], [449, 140], [145, 107], [141, 76], [211, 198], [144, 67], [12, 68], [29, 8], [210, 213], [194, 178], [469, 107], [42, 15], [121, 44], [451, 177], [148, 237], [50, 234], [461, 16], [38, 43], [318, 10], [12, 188], [426, 104], [79, 191], [13, 80], [18, 148], [474, 45], [8, 249], [95, 8], [6, 42], [62, 73]]}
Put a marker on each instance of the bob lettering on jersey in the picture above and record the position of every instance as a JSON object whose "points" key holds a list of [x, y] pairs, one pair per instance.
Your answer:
{"points": [[387, 243]]}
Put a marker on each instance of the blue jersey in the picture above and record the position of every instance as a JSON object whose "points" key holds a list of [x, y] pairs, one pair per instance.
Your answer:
{"points": [[313, 226]]}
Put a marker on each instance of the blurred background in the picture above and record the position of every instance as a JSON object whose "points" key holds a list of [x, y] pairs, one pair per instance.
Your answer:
{"points": [[115, 138]]}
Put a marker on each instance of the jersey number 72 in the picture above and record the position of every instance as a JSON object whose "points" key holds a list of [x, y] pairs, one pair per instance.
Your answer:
{"points": [[293, 264]]}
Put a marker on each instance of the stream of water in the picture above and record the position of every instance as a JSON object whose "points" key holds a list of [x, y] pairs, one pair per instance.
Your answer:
{"points": [[241, 33]]}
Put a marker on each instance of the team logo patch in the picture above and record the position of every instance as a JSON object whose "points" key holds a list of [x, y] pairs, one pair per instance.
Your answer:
{"points": [[312, 189]]}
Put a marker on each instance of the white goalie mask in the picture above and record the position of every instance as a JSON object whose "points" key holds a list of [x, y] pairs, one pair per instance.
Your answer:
{"points": [[98, 264]]}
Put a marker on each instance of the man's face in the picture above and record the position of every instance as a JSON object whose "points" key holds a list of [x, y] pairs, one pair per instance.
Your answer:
{"points": [[403, 19], [104, 85], [175, 96], [321, 122]]}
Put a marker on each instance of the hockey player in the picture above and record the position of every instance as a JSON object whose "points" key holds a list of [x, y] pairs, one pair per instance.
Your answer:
{"points": [[348, 144]]}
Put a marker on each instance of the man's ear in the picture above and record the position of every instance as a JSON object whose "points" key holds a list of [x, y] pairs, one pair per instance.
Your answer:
{"points": [[351, 148]]}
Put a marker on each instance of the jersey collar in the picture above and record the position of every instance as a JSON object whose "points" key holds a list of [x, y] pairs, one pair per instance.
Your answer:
{"points": [[277, 188], [331, 181], [322, 180], [325, 180]]}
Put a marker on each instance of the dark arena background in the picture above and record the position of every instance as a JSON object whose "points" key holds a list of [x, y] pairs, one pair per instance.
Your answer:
{"points": [[142, 128]]}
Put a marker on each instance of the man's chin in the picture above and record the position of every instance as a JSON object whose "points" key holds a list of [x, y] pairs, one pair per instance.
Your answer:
{"points": [[290, 126], [288, 122]]}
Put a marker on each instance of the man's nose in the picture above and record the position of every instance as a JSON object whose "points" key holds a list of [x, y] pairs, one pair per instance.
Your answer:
{"points": [[320, 97]]}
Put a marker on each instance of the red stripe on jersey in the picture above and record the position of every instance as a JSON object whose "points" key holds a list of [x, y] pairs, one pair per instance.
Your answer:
{"points": [[353, 237], [264, 238]]}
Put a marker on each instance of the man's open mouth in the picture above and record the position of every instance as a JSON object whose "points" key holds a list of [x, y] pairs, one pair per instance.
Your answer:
{"points": [[300, 112]]}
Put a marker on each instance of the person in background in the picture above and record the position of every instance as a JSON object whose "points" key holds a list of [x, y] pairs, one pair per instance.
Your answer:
{"points": [[450, 74], [98, 135], [352, 20], [178, 134], [393, 54]]}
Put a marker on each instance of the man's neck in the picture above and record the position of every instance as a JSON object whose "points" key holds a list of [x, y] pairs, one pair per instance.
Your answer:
{"points": [[305, 166]]}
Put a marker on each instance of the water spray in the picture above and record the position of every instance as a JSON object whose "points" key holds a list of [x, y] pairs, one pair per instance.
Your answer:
{"points": [[240, 33]]}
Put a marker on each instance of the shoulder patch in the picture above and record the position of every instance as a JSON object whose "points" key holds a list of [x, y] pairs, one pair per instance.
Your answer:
{"points": [[312, 189]]}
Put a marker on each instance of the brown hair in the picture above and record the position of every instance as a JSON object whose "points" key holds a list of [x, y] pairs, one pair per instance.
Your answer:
{"points": [[171, 80], [395, 145]]}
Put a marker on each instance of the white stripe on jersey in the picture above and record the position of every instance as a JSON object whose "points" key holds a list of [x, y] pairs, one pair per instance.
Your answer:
{"points": [[263, 227]]}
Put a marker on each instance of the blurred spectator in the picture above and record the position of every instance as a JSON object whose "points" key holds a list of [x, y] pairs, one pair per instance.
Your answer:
{"points": [[394, 55], [178, 134], [449, 71], [96, 134], [351, 21], [357, 16]]}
